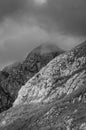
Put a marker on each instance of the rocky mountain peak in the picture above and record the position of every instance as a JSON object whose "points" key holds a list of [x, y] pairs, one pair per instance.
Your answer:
{"points": [[54, 98], [55, 78]]}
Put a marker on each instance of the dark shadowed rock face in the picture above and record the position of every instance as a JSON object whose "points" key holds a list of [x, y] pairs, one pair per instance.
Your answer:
{"points": [[14, 76], [54, 99]]}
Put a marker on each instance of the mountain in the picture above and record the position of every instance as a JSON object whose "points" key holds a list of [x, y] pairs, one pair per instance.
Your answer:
{"points": [[13, 76], [55, 79], [54, 98]]}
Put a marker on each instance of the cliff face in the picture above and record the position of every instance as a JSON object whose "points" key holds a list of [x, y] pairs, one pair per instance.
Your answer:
{"points": [[14, 76]]}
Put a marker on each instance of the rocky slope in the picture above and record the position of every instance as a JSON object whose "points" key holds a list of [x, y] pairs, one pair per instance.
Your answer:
{"points": [[54, 99], [56, 79], [14, 76]]}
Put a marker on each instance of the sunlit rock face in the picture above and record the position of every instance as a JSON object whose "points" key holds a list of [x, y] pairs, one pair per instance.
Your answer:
{"points": [[62, 78], [54, 99], [14, 76]]}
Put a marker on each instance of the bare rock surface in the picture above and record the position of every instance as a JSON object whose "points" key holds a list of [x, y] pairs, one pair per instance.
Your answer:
{"points": [[54, 99], [61, 77], [15, 75]]}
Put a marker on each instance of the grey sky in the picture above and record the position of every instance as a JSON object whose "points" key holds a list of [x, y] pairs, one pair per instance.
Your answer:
{"points": [[24, 24]]}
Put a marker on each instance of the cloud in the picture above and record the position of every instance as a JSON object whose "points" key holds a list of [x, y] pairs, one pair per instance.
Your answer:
{"points": [[18, 39], [40, 2], [67, 16], [24, 25], [8, 7]]}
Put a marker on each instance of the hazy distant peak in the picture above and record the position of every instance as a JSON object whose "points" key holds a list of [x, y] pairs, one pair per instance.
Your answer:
{"points": [[48, 48], [45, 49]]}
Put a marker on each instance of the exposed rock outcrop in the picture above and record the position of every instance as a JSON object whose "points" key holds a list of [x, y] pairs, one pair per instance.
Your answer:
{"points": [[14, 76], [54, 99], [61, 77]]}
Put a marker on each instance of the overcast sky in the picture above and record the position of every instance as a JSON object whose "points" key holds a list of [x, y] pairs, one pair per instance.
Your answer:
{"points": [[25, 24]]}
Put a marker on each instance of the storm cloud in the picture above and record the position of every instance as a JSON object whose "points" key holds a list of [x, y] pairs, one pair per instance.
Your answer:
{"points": [[67, 15], [25, 24]]}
